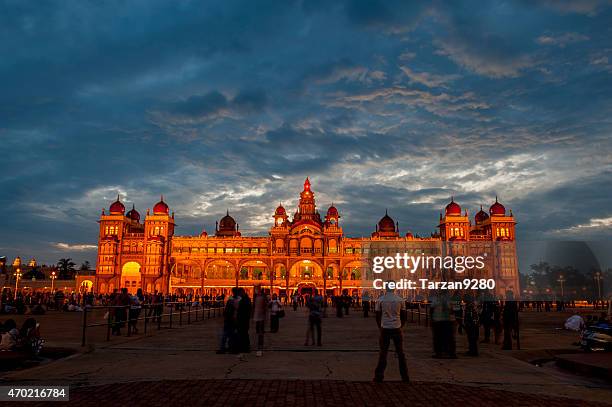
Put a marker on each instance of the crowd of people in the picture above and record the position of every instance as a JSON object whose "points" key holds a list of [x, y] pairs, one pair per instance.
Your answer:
{"points": [[450, 315], [37, 303]]}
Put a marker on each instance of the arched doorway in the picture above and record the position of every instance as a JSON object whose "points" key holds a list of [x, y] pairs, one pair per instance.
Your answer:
{"points": [[219, 278], [86, 286], [306, 288], [130, 276], [306, 273], [351, 276], [185, 276]]}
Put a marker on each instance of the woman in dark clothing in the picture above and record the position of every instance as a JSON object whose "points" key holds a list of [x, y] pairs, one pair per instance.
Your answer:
{"points": [[243, 322], [510, 320], [471, 324]]}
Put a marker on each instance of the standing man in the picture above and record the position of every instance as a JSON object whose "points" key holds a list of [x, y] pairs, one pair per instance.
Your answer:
{"points": [[260, 307], [471, 324], [243, 318], [486, 317], [510, 320], [390, 317], [315, 306], [230, 314], [365, 303]]}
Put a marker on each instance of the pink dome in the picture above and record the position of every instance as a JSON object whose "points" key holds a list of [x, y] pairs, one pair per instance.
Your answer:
{"points": [[452, 208], [117, 207], [161, 208], [133, 214], [497, 209]]}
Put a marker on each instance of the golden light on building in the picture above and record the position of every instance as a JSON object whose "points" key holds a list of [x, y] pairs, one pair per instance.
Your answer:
{"points": [[302, 253]]}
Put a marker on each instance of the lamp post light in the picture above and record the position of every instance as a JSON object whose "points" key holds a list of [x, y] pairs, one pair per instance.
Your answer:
{"points": [[53, 276], [561, 280], [598, 277], [17, 277]]}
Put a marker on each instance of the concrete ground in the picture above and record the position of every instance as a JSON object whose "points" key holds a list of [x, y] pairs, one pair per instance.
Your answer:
{"points": [[349, 353]]}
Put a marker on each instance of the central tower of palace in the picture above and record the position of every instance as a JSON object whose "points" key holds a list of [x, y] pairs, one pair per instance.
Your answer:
{"points": [[306, 207]]}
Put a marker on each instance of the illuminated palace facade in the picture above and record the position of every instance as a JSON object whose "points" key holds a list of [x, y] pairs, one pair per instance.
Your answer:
{"points": [[299, 254]]}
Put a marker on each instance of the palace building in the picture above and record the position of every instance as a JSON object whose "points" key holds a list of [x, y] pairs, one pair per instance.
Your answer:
{"points": [[300, 253]]}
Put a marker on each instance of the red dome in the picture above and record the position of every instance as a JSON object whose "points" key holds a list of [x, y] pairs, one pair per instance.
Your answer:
{"points": [[386, 224], [481, 216], [409, 235], [453, 208], [203, 234], [497, 209], [280, 211], [332, 212], [133, 214], [161, 208], [117, 207]]}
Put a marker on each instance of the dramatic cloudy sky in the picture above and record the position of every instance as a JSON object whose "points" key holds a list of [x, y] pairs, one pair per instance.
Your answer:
{"points": [[231, 104]]}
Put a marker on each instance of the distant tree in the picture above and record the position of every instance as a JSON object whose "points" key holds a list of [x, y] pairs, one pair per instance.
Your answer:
{"points": [[66, 270], [34, 272], [85, 266]]}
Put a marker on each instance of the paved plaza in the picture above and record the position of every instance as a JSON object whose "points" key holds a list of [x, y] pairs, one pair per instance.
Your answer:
{"points": [[181, 362]]}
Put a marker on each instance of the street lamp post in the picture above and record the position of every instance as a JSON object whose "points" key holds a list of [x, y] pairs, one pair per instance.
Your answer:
{"points": [[598, 277], [53, 276], [17, 277], [561, 280]]}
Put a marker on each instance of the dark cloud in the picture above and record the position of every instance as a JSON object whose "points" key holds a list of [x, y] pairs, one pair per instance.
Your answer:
{"points": [[251, 101], [384, 104], [201, 105]]}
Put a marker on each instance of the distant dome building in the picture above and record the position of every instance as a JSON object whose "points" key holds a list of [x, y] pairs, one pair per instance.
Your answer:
{"points": [[227, 227]]}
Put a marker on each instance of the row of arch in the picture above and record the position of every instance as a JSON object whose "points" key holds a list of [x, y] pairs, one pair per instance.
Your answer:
{"points": [[221, 269], [190, 273]]}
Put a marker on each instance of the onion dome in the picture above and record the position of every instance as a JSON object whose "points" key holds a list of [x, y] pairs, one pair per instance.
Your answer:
{"points": [[332, 212], [161, 208], [133, 214], [497, 209], [453, 208], [203, 234], [117, 207], [386, 224], [409, 235], [481, 216], [280, 211], [227, 223]]}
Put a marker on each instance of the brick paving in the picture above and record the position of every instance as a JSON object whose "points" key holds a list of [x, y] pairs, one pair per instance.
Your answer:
{"points": [[272, 393], [161, 370]]}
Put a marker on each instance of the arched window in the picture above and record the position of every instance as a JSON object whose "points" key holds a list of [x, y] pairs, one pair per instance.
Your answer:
{"points": [[280, 246], [333, 246], [306, 245]]}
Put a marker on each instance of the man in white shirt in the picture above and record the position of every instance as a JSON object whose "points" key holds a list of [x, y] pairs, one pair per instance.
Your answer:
{"points": [[390, 317]]}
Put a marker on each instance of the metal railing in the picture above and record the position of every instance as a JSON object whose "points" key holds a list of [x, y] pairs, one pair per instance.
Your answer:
{"points": [[166, 313], [420, 310]]}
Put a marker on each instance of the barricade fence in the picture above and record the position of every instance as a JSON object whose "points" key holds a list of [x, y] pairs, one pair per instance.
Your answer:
{"points": [[156, 316]]}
